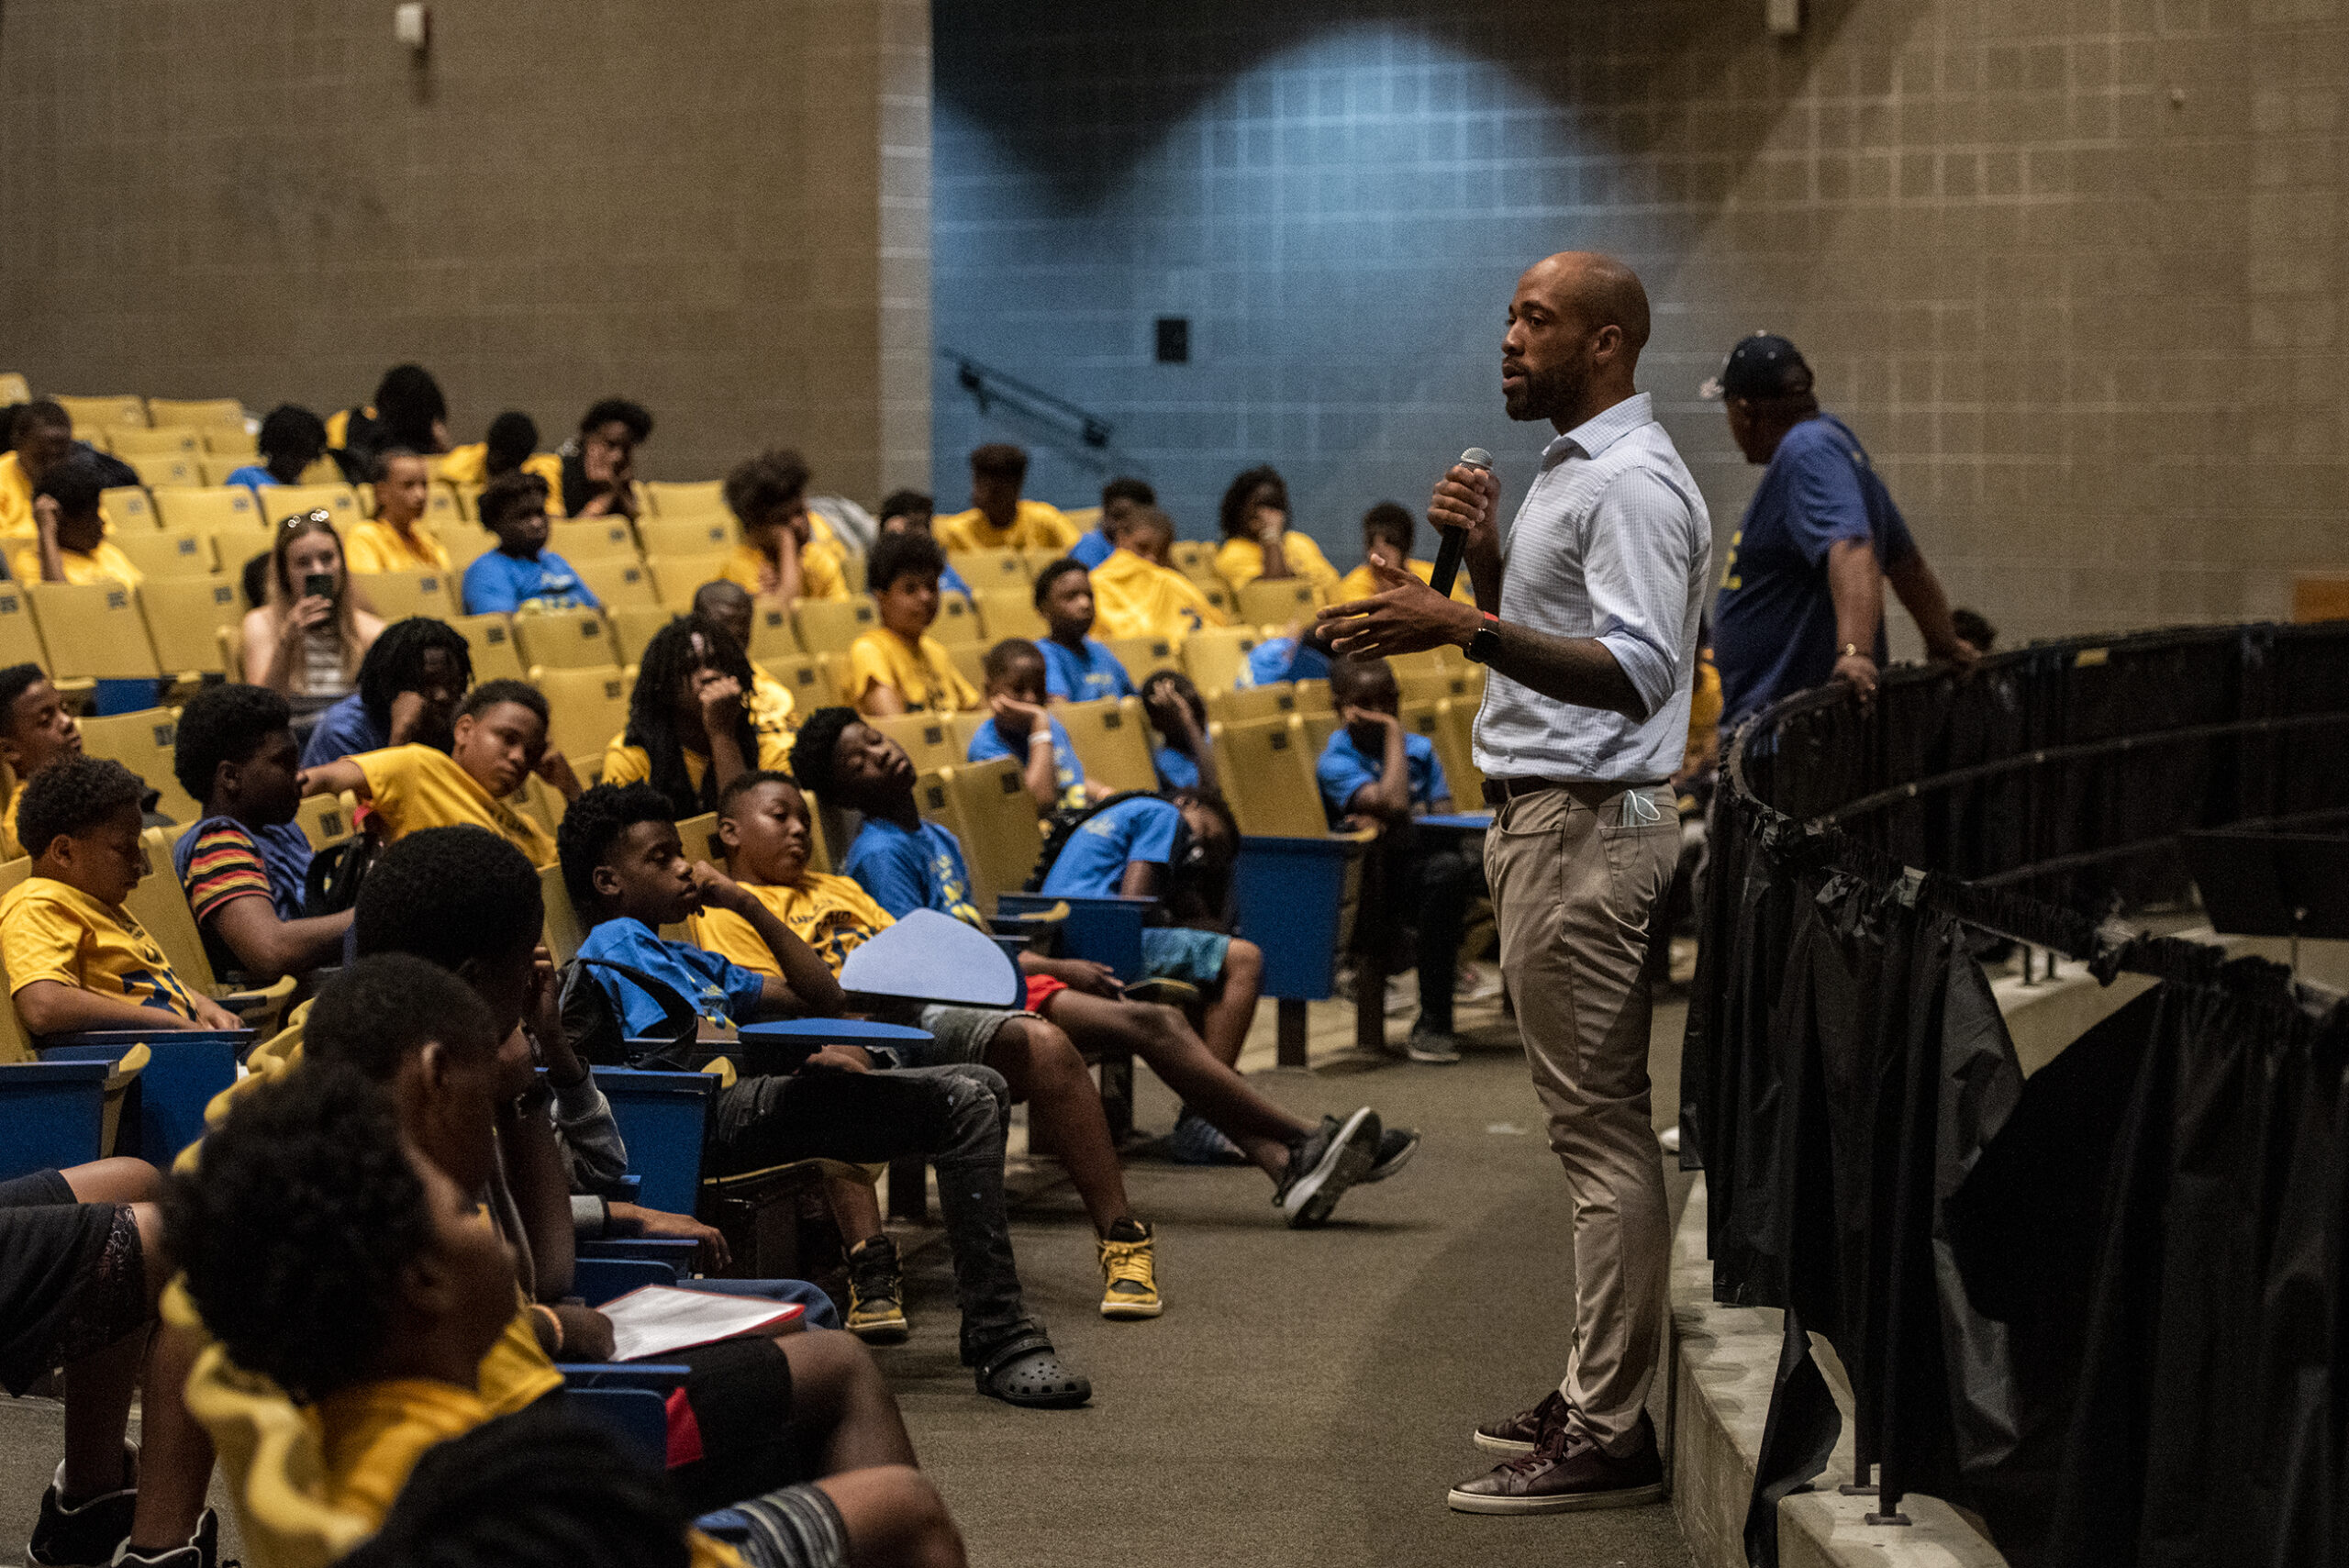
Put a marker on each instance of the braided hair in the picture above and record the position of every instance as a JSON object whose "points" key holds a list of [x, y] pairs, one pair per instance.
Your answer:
{"points": [[678, 651]]}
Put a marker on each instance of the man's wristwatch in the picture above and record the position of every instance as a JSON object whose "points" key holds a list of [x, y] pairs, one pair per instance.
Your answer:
{"points": [[1487, 640]]}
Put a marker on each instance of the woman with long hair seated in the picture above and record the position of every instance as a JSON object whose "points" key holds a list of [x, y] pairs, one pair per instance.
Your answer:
{"points": [[690, 730], [305, 638], [1258, 541]]}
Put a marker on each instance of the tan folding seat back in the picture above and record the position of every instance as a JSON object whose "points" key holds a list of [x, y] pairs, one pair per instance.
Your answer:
{"points": [[1112, 740], [1267, 769], [574, 639]]}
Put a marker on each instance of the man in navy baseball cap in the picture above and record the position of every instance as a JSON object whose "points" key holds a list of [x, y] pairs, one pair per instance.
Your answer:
{"points": [[1801, 598]]}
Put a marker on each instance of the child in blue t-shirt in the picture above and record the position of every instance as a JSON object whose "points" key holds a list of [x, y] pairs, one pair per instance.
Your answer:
{"points": [[1178, 717], [521, 572], [1375, 773], [1076, 668], [1023, 728]]}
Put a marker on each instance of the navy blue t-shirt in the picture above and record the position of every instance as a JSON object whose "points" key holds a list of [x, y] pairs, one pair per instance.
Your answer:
{"points": [[1774, 622]]}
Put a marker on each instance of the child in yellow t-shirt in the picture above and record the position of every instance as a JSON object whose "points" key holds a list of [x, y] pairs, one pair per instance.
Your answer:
{"points": [[501, 740], [397, 539], [1136, 594], [36, 727], [787, 554], [70, 543], [1257, 538], [999, 518], [77, 958], [1387, 531], [898, 667]]}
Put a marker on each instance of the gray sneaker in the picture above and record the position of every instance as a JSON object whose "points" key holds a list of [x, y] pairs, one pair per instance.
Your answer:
{"points": [[1431, 1046], [1323, 1163]]}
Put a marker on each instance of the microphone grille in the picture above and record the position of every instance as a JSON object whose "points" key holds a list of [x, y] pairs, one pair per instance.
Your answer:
{"points": [[1476, 457]]}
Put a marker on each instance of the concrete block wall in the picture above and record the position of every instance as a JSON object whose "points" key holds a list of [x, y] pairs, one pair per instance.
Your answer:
{"points": [[2071, 269], [719, 209]]}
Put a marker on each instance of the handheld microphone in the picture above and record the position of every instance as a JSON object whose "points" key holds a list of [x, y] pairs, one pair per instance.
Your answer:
{"points": [[1455, 540]]}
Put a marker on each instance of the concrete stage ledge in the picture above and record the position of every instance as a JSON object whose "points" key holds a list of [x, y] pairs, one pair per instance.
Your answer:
{"points": [[1724, 1359]]}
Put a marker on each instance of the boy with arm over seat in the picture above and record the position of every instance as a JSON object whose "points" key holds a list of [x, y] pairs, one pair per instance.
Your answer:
{"points": [[628, 875], [77, 959]]}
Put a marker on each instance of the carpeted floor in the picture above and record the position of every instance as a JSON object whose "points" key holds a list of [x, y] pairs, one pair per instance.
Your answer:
{"points": [[1308, 1396]]}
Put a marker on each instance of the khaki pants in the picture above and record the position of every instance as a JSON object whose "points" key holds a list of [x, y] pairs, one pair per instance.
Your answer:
{"points": [[1575, 882]]}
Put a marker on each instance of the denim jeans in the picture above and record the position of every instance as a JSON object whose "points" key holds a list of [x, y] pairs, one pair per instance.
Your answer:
{"points": [[954, 1116]]}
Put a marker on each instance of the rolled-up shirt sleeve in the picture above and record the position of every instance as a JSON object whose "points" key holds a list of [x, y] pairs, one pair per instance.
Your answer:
{"points": [[1635, 566]]}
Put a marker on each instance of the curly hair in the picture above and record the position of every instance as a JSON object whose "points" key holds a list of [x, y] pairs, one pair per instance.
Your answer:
{"points": [[1391, 521], [1124, 488], [913, 553], [1054, 573], [447, 894], [544, 1487], [815, 755], [75, 484], [296, 1226], [1009, 655], [1000, 459], [906, 504], [510, 496], [387, 1007], [395, 664], [593, 825], [223, 724], [14, 681], [71, 796], [513, 435], [489, 694], [759, 484], [670, 658], [605, 410], [1233, 514], [292, 432], [407, 403]]}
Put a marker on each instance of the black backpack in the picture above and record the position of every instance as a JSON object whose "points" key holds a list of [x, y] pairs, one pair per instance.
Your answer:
{"points": [[1065, 822], [597, 1033], [336, 875]]}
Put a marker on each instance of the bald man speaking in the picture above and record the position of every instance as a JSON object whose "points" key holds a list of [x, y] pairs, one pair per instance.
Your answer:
{"points": [[1586, 618]]}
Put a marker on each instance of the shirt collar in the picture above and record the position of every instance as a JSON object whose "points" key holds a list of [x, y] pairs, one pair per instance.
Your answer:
{"points": [[1601, 431]]}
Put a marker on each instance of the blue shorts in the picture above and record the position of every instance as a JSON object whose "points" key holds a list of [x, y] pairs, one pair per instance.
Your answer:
{"points": [[1177, 952]]}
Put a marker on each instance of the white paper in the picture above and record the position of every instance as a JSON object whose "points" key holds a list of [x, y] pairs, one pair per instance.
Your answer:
{"points": [[659, 1319]]}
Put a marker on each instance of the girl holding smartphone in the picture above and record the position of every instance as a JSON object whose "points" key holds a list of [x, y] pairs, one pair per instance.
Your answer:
{"points": [[306, 636]]}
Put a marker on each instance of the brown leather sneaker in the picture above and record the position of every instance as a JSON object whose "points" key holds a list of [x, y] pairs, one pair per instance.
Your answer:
{"points": [[1563, 1474], [1521, 1433]]}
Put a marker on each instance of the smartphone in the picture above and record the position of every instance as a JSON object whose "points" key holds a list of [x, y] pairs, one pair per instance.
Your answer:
{"points": [[317, 585]]}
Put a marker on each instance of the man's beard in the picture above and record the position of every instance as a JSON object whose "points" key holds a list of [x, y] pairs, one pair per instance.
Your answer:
{"points": [[1546, 394]]}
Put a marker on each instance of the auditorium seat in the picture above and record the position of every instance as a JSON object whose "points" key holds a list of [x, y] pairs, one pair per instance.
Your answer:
{"points": [[589, 538], [677, 577], [439, 511], [1267, 769], [170, 553], [957, 625], [927, 738], [127, 508], [105, 413], [1247, 703], [420, 591], [1276, 603], [1214, 656], [621, 583], [143, 741], [685, 535], [989, 807], [199, 413], [852, 568], [805, 677], [829, 626], [157, 469], [490, 638], [1010, 612], [970, 659], [991, 569], [213, 468], [184, 617], [773, 635], [326, 820], [1192, 557], [585, 708], [966, 725], [1219, 599], [213, 507], [19, 632], [14, 388], [92, 632], [468, 494], [1455, 746], [281, 501], [1112, 740], [564, 640], [675, 498], [633, 626], [224, 440], [1084, 519], [129, 441], [1313, 696], [1140, 655]]}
